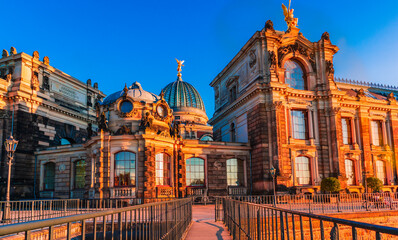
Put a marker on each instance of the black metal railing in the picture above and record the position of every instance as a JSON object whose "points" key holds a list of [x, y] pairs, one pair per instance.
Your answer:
{"points": [[328, 203], [161, 220], [247, 220], [32, 210]]}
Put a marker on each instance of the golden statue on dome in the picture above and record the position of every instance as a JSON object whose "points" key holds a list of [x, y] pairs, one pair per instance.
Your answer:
{"points": [[179, 66], [289, 18]]}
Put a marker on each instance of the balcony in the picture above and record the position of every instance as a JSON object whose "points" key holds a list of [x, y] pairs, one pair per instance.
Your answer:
{"points": [[164, 192], [123, 192], [195, 191], [237, 191]]}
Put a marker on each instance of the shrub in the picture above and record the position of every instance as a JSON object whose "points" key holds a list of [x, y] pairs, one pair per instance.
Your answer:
{"points": [[374, 183], [330, 184]]}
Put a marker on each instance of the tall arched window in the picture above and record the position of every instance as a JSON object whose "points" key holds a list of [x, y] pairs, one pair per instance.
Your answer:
{"points": [[49, 176], [195, 172], [235, 173], [381, 171], [79, 171], [303, 174], [124, 169], [233, 132], [350, 171], [163, 167], [294, 75]]}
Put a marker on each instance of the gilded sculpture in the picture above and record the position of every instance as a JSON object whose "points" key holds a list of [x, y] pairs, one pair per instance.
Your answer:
{"points": [[289, 18], [180, 64]]}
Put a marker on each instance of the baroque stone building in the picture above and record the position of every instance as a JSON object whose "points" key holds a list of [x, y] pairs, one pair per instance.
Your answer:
{"points": [[277, 104], [50, 107], [279, 94], [147, 146]]}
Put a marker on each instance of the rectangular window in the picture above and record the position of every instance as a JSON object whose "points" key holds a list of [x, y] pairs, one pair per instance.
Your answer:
{"points": [[232, 94], [80, 174], [303, 174], [299, 124], [347, 133], [381, 171], [377, 133], [350, 172]]}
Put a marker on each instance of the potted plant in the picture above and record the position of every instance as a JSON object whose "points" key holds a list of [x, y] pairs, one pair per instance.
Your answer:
{"points": [[331, 185], [374, 184]]}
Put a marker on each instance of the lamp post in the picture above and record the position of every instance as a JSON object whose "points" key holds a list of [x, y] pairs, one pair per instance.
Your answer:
{"points": [[10, 146], [273, 173]]}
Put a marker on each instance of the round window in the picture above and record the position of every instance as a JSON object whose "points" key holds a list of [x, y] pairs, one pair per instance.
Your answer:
{"points": [[126, 106]]}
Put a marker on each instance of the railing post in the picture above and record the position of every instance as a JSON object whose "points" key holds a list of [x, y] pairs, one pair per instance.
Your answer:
{"points": [[334, 233], [33, 209], [258, 225], [282, 226]]}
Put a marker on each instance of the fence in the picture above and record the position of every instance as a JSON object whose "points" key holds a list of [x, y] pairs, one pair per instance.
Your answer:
{"points": [[328, 203], [161, 220], [24, 211], [254, 221]]}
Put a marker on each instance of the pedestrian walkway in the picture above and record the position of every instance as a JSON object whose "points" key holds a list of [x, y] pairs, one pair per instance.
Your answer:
{"points": [[204, 226]]}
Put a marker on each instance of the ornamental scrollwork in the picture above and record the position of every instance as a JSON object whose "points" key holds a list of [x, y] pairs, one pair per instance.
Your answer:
{"points": [[293, 48], [253, 58], [325, 36], [269, 25], [124, 130], [271, 58], [329, 68]]}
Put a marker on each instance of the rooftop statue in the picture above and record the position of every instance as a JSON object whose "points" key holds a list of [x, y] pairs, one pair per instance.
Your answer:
{"points": [[289, 18], [179, 66]]}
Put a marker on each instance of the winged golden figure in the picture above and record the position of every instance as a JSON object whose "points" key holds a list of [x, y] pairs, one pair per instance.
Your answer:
{"points": [[179, 65], [289, 18]]}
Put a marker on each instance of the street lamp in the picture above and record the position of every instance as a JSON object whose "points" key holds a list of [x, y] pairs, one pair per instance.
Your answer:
{"points": [[10, 146], [273, 174]]}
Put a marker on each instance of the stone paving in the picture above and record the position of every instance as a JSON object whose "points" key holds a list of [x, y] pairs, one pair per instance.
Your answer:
{"points": [[204, 227]]}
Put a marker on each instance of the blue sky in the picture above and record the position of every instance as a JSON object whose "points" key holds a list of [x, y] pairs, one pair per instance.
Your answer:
{"points": [[117, 42]]}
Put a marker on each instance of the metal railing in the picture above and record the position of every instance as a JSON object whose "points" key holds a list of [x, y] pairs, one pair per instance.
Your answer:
{"points": [[328, 203], [32, 210], [161, 220], [247, 220]]}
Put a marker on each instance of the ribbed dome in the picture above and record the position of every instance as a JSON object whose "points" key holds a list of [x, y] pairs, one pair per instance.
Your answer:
{"points": [[180, 94], [135, 92]]}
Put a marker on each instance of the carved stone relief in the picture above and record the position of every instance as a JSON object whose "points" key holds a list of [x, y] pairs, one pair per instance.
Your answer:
{"points": [[294, 48], [253, 58], [329, 68], [5, 53], [271, 58], [46, 60], [36, 55], [35, 82]]}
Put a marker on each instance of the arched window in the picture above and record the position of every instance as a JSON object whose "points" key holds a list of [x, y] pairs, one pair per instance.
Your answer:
{"points": [[206, 138], [163, 167], [303, 174], [66, 141], [124, 169], [294, 75], [381, 171], [235, 173], [233, 133], [195, 172], [49, 176], [350, 171], [79, 171]]}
